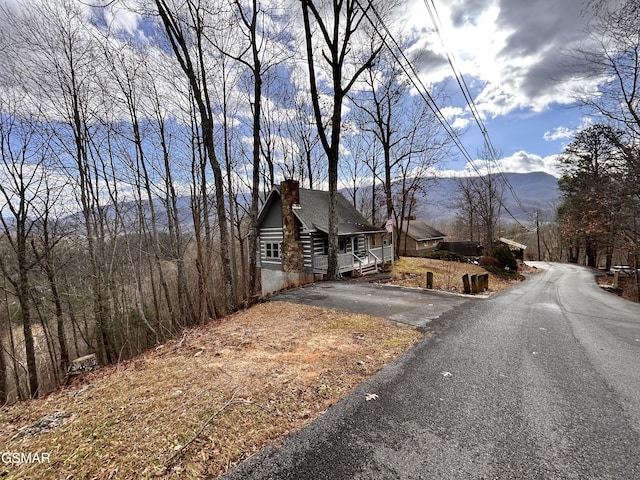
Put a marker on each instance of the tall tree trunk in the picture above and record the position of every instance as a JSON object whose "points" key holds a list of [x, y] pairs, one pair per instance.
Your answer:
{"points": [[196, 73], [4, 391], [29, 344], [230, 189], [337, 33]]}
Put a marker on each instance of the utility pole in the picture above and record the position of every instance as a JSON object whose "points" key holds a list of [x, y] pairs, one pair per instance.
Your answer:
{"points": [[538, 233]]}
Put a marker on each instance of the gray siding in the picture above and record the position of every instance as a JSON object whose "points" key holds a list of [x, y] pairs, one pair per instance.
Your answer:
{"points": [[360, 244], [273, 219], [307, 248], [269, 235], [318, 245]]}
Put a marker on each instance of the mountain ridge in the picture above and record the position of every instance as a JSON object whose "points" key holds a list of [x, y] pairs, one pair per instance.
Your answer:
{"points": [[536, 191]]}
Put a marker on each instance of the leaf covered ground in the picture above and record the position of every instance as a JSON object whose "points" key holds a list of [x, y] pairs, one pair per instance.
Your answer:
{"points": [[198, 405], [447, 276]]}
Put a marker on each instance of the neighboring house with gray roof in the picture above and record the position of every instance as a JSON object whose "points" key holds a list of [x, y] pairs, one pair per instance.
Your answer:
{"points": [[517, 248], [417, 237], [293, 226]]}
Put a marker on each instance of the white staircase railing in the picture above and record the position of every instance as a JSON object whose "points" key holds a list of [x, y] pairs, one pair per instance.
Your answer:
{"points": [[348, 262]]}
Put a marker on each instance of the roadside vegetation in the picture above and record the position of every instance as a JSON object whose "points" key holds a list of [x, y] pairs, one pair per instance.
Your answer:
{"points": [[447, 275], [625, 286], [199, 404]]}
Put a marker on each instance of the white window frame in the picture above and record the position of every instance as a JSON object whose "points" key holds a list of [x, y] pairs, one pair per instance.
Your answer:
{"points": [[272, 250]]}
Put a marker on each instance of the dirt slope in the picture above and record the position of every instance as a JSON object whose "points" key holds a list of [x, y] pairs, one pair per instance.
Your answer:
{"points": [[199, 404]]}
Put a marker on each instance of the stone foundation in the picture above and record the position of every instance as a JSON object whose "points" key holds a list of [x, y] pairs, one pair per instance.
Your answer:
{"points": [[274, 280]]}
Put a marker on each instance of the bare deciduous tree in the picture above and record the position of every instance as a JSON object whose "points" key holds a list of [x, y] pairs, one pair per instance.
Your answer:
{"points": [[22, 178], [184, 25], [338, 22]]}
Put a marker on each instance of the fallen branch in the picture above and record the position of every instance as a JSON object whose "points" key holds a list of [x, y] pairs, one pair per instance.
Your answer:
{"points": [[192, 399], [232, 401]]}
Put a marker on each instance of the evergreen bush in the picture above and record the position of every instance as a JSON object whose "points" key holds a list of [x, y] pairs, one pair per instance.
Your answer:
{"points": [[506, 258]]}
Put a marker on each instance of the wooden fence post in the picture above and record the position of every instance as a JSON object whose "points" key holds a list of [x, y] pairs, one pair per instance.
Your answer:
{"points": [[465, 281], [483, 282], [474, 283], [480, 283], [429, 280]]}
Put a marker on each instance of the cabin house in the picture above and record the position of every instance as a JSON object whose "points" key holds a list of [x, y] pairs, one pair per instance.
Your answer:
{"points": [[517, 248], [293, 227], [417, 237]]}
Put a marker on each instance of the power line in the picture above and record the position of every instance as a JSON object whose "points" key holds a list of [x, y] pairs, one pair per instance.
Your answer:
{"points": [[435, 18], [413, 76], [422, 90]]}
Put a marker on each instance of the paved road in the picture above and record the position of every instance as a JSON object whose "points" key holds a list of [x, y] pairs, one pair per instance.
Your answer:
{"points": [[407, 305], [539, 382]]}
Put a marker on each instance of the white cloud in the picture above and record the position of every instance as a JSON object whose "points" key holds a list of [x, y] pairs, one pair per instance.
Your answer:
{"points": [[518, 162], [460, 123], [457, 117], [451, 112], [558, 133], [122, 19], [566, 133], [511, 50]]}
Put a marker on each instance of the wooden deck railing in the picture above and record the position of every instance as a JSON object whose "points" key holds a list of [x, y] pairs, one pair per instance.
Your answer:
{"points": [[348, 262]]}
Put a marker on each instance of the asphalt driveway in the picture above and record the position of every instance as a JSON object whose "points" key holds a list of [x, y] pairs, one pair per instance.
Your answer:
{"points": [[406, 305], [538, 382]]}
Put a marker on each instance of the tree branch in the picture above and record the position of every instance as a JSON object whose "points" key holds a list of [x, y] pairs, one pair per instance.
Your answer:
{"points": [[232, 401]]}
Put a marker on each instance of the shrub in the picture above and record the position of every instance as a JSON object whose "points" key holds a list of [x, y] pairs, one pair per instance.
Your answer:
{"points": [[487, 261], [443, 255], [510, 275], [505, 257]]}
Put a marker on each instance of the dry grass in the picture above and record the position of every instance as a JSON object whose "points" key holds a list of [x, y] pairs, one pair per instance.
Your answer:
{"points": [[245, 383], [627, 287], [447, 276]]}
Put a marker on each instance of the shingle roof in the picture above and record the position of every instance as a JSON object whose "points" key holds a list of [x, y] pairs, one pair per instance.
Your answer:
{"points": [[314, 212], [420, 231], [512, 243]]}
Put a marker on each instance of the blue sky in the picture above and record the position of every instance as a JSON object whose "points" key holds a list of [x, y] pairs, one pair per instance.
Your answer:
{"points": [[514, 56]]}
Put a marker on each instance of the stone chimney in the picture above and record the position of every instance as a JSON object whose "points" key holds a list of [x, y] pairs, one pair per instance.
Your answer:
{"points": [[292, 253]]}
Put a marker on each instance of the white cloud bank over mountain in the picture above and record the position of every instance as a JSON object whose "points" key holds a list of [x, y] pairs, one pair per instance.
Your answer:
{"points": [[518, 162]]}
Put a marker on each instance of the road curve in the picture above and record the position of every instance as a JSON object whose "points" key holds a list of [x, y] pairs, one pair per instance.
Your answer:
{"points": [[539, 382]]}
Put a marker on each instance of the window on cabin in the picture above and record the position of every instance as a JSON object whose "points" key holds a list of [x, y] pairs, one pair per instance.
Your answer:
{"points": [[272, 250], [325, 246]]}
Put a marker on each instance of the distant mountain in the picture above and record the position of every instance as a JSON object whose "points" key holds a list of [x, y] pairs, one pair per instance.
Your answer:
{"points": [[537, 191]]}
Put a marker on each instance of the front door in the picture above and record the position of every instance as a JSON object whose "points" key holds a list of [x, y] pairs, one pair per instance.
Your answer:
{"points": [[344, 244]]}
